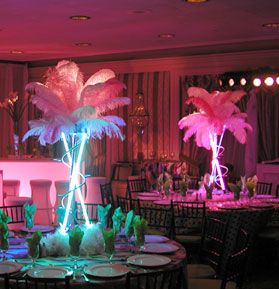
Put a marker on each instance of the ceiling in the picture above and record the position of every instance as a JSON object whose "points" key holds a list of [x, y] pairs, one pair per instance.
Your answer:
{"points": [[126, 29]]}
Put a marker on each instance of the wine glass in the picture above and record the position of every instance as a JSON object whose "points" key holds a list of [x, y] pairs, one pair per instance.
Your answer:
{"points": [[74, 255], [33, 253], [109, 249]]}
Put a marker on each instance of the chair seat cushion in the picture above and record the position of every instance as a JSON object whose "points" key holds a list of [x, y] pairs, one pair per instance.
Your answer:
{"points": [[208, 284], [270, 234], [188, 239], [201, 271]]}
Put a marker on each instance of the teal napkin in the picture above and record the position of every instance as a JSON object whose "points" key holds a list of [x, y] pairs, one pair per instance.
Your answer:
{"points": [[29, 211], [117, 219], [129, 230], [4, 218], [140, 228], [103, 214], [4, 235], [33, 244]]}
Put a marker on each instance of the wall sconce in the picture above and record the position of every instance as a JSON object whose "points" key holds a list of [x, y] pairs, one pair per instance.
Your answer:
{"points": [[139, 117]]}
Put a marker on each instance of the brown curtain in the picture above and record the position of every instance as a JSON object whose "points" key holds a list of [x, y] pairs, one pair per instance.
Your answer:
{"points": [[268, 123]]}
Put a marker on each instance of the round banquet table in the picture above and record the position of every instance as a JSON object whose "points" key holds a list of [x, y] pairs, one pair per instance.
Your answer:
{"points": [[178, 259]]}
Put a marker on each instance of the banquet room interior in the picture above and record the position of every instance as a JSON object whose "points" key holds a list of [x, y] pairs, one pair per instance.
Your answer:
{"points": [[139, 144]]}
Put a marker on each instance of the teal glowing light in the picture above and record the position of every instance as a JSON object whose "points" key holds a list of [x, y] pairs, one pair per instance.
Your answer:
{"points": [[78, 142]]}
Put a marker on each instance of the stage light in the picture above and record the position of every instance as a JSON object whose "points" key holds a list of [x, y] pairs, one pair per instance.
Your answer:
{"points": [[277, 80], [257, 82], [231, 82], [243, 81], [269, 81]]}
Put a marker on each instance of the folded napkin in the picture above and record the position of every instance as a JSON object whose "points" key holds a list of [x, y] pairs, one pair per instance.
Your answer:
{"points": [[29, 211], [129, 230], [140, 229], [103, 214], [75, 238], [60, 212], [117, 219], [251, 185], [4, 235], [109, 238], [4, 218], [33, 244]]}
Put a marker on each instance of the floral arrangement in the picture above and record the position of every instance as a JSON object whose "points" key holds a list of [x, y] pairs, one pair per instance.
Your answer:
{"points": [[236, 189], [14, 108], [251, 185]]}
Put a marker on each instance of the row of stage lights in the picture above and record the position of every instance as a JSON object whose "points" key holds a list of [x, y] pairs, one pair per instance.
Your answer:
{"points": [[247, 79]]}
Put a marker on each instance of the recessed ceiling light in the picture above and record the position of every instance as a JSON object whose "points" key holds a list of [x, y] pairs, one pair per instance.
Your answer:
{"points": [[141, 11], [166, 35], [196, 1], [16, 52], [80, 17], [271, 25], [83, 44]]}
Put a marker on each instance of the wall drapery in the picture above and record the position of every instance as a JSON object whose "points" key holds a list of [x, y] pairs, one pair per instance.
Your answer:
{"points": [[13, 77]]}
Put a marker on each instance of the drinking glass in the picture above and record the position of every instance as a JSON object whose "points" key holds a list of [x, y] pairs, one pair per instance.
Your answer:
{"points": [[33, 253]]}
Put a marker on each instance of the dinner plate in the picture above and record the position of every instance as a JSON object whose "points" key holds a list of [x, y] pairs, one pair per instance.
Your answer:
{"points": [[159, 248], [261, 206], [148, 194], [41, 228], [49, 272], [154, 198], [7, 267], [148, 260], [106, 270], [153, 239]]}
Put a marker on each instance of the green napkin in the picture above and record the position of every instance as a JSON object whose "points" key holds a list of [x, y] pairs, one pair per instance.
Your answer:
{"points": [[33, 244], [117, 219], [4, 235], [103, 214], [109, 238], [75, 238], [29, 211], [60, 212], [129, 230], [140, 229], [236, 189], [4, 218]]}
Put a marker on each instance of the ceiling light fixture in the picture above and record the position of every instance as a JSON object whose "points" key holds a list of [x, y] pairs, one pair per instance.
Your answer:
{"points": [[83, 44], [16, 52], [80, 17], [166, 35], [269, 81], [196, 1], [271, 25]]}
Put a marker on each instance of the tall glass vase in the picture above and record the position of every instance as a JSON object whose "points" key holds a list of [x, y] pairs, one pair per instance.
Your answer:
{"points": [[16, 138]]}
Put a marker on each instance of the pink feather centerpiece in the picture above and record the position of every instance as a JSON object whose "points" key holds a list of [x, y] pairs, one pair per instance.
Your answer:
{"points": [[73, 111], [217, 113]]}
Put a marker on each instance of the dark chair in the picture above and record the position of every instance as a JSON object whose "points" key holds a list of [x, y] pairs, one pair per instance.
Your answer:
{"points": [[264, 188], [159, 219], [235, 268], [188, 220], [91, 210], [136, 186], [16, 213], [277, 191], [106, 194], [12, 282], [128, 204], [194, 183], [163, 279], [211, 249]]}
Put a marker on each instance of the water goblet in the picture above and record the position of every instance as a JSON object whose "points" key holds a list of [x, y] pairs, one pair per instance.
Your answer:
{"points": [[33, 254]]}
